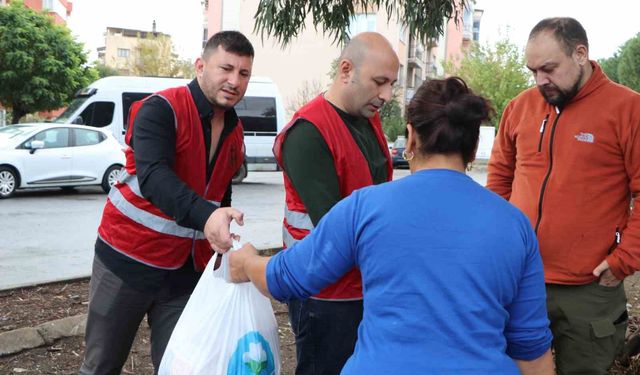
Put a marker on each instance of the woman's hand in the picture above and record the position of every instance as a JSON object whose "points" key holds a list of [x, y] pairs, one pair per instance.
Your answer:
{"points": [[238, 263]]}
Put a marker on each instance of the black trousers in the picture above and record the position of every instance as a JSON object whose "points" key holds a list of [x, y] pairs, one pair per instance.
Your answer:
{"points": [[326, 334], [115, 313]]}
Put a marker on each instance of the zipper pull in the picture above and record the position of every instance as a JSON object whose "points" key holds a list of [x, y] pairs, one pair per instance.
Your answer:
{"points": [[544, 123], [618, 235]]}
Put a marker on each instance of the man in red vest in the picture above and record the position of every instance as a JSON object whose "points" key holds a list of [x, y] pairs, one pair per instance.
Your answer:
{"points": [[171, 206], [333, 145]]}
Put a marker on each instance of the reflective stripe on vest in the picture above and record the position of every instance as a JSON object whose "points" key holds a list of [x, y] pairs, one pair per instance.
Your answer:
{"points": [[132, 182], [300, 220], [144, 218], [151, 221], [287, 238]]}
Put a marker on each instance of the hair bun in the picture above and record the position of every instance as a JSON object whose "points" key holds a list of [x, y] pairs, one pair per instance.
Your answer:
{"points": [[466, 110]]}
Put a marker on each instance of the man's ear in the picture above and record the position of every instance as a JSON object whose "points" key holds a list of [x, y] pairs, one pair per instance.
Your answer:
{"points": [[582, 54], [345, 70], [199, 65]]}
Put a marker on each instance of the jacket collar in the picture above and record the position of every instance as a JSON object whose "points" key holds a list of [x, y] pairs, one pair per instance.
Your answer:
{"points": [[597, 79], [202, 103], [205, 108]]}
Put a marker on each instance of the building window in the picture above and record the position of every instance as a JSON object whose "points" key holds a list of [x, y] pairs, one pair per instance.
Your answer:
{"points": [[467, 22], [403, 33], [361, 23], [55, 6], [205, 36], [400, 82], [123, 52]]}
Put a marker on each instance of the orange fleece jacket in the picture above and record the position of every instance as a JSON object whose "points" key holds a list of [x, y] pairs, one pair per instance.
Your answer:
{"points": [[574, 176]]}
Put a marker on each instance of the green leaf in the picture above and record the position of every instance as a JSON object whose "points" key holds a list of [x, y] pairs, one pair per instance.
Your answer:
{"points": [[41, 65], [284, 20], [496, 72]]}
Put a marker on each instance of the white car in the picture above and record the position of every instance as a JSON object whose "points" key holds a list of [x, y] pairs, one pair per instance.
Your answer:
{"points": [[57, 155]]}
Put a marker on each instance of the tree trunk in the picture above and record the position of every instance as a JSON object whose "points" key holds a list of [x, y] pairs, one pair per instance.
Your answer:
{"points": [[16, 115]]}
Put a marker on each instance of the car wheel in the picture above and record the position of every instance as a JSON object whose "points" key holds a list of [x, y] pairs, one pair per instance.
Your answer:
{"points": [[241, 174], [110, 177], [8, 182]]}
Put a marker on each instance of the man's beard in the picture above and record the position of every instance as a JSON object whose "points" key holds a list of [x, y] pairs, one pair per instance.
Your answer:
{"points": [[225, 106], [562, 97]]}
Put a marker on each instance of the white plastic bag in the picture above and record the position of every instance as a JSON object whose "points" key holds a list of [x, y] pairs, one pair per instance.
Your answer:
{"points": [[225, 329]]}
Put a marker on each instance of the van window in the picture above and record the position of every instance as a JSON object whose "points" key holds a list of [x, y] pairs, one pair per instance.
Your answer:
{"points": [[258, 115], [71, 109], [97, 114], [127, 99]]}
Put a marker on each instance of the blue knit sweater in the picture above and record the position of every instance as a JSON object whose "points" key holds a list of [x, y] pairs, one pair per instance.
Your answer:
{"points": [[452, 277]]}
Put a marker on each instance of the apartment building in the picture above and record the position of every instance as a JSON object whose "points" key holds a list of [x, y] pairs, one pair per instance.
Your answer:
{"points": [[59, 10], [306, 61], [121, 45]]}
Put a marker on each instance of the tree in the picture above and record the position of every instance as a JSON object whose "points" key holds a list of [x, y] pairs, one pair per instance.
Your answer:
{"points": [[495, 72], [629, 64], [610, 67], [41, 65], [284, 20], [155, 56], [306, 92], [393, 123], [104, 70]]}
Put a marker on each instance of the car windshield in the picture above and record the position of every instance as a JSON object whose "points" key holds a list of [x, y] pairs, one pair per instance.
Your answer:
{"points": [[12, 131], [65, 117], [400, 143]]}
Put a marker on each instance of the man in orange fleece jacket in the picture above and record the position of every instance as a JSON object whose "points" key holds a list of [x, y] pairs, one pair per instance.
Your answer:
{"points": [[568, 155]]}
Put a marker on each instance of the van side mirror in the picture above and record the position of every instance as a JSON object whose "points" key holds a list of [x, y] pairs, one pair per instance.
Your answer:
{"points": [[78, 121], [35, 145]]}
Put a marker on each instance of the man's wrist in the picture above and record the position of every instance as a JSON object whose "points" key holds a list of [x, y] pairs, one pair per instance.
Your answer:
{"points": [[201, 212]]}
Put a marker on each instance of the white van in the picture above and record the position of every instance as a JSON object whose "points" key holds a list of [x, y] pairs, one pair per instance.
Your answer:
{"points": [[105, 104]]}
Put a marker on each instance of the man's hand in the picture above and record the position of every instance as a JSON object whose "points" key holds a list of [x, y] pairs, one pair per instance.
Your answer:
{"points": [[216, 229], [238, 260], [605, 275]]}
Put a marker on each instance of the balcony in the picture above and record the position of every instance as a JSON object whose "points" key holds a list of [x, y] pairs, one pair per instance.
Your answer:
{"points": [[416, 56]]}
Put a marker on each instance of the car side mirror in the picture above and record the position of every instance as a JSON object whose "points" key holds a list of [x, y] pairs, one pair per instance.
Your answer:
{"points": [[78, 121], [35, 145]]}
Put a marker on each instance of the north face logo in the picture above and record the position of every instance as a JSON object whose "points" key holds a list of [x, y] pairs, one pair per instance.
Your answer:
{"points": [[585, 137]]}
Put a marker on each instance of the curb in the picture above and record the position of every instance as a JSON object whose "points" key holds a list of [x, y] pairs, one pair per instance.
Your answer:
{"points": [[15, 341]]}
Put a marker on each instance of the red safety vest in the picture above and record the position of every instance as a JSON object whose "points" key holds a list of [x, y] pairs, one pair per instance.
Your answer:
{"points": [[134, 227], [353, 173]]}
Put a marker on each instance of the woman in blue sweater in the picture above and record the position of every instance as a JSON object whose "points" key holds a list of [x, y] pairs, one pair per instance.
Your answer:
{"points": [[452, 278]]}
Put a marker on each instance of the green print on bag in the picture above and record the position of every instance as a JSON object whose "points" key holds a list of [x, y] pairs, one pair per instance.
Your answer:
{"points": [[253, 356]]}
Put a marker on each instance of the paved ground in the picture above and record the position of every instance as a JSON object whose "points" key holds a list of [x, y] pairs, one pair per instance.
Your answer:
{"points": [[48, 235]]}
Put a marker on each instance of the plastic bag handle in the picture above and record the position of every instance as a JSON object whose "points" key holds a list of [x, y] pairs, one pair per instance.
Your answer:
{"points": [[223, 272]]}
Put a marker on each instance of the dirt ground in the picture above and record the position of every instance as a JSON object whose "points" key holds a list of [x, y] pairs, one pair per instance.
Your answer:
{"points": [[27, 307]]}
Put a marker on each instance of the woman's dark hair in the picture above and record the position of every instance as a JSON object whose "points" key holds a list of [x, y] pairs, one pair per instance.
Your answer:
{"points": [[446, 116], [230, 41]]}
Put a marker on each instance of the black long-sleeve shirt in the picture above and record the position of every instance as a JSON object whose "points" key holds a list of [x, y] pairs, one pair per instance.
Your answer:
{"points": [[154, 145]]}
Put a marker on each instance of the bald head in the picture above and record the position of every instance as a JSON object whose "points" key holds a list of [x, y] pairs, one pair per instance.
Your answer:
{"points": [[366, 71], [362, 46]]}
